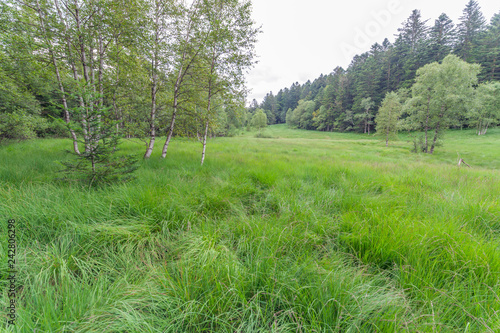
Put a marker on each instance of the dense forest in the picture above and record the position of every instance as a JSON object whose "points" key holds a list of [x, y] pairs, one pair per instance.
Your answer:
{"points": [[348, 99]]}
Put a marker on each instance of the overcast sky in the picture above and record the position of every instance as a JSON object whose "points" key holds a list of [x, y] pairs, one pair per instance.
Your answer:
{"points": [[303, 39]]}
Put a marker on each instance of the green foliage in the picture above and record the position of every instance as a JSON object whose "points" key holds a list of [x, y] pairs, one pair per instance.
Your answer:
{"points": [[388, 116], [19, 125], [259, 119], [440, 92], [262, 135], [19, 110], [366, 117], [489, 50], [484, 108], [302, 116], [472, 24], [442, 38], [418, 144]]}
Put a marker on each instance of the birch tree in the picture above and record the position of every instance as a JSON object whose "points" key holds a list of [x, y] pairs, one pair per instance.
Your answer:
{"points": [[229, 51], [367, 104], [162, 18], [387, 117], [42, 11], [484, 109], [189, 41]]}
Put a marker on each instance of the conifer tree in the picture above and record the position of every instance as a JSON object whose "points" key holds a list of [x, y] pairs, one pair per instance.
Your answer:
{"points": [[99, 164], [472, 23], [490, 51], [442, 38]]}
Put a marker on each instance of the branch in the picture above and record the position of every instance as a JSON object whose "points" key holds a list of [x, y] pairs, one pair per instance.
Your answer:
{"points": [[461, 161]]}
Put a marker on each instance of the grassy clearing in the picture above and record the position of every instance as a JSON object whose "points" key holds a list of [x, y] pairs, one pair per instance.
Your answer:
{"points": [[301, 232]]}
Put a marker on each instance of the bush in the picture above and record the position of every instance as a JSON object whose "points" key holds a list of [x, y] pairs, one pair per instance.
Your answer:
{"points": [[53, 129], [18, 126], [263, 135], [24, 126], [259, 119], [418, 144]]}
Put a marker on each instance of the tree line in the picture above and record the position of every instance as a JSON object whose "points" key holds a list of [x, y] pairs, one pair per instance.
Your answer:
{"points": [[349, 99], [140, 68]]}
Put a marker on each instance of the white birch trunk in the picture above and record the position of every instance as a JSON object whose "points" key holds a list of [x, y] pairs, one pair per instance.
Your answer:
{"points": [[59, 81]]}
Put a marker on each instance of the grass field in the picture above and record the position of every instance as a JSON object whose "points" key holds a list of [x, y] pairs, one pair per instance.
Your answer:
{"points": [[301, 232]]}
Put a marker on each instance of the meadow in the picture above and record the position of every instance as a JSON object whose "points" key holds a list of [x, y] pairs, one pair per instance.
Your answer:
{"points": [[301, 231]]}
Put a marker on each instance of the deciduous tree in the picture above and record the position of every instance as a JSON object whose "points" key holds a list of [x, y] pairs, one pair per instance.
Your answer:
{"points": [[484, 108], [387, 117], [439, 91], [259, 119]]}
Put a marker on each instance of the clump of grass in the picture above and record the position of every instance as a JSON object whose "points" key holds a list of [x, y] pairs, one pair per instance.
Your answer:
{"points": [[263, 135]]}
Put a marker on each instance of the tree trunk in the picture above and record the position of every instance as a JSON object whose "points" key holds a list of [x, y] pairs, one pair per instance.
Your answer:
{"points": [[426, 147], [367, 122], [178, 82], [172, 123], [485, 128], [100, 74], [59, 81], [152, 125], [479, 127], [73, 68], [436, 132], [115, 107], [83, 60], [205, 141], [435, 139], [184, 68]]}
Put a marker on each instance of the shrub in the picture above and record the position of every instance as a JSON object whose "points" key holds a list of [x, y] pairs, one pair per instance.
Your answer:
{"points": [[18, 126]]}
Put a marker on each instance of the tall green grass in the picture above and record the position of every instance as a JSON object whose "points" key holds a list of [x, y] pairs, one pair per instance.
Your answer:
{"points": [[301, 232]]}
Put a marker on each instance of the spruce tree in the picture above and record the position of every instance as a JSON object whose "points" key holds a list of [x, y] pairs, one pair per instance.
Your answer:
{"points": [[99, 164], [490, 51], [472, 23], [442, 38]]}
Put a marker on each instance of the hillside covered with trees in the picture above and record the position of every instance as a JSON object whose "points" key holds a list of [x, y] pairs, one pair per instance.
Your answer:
{"points": [[349, 99]]}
